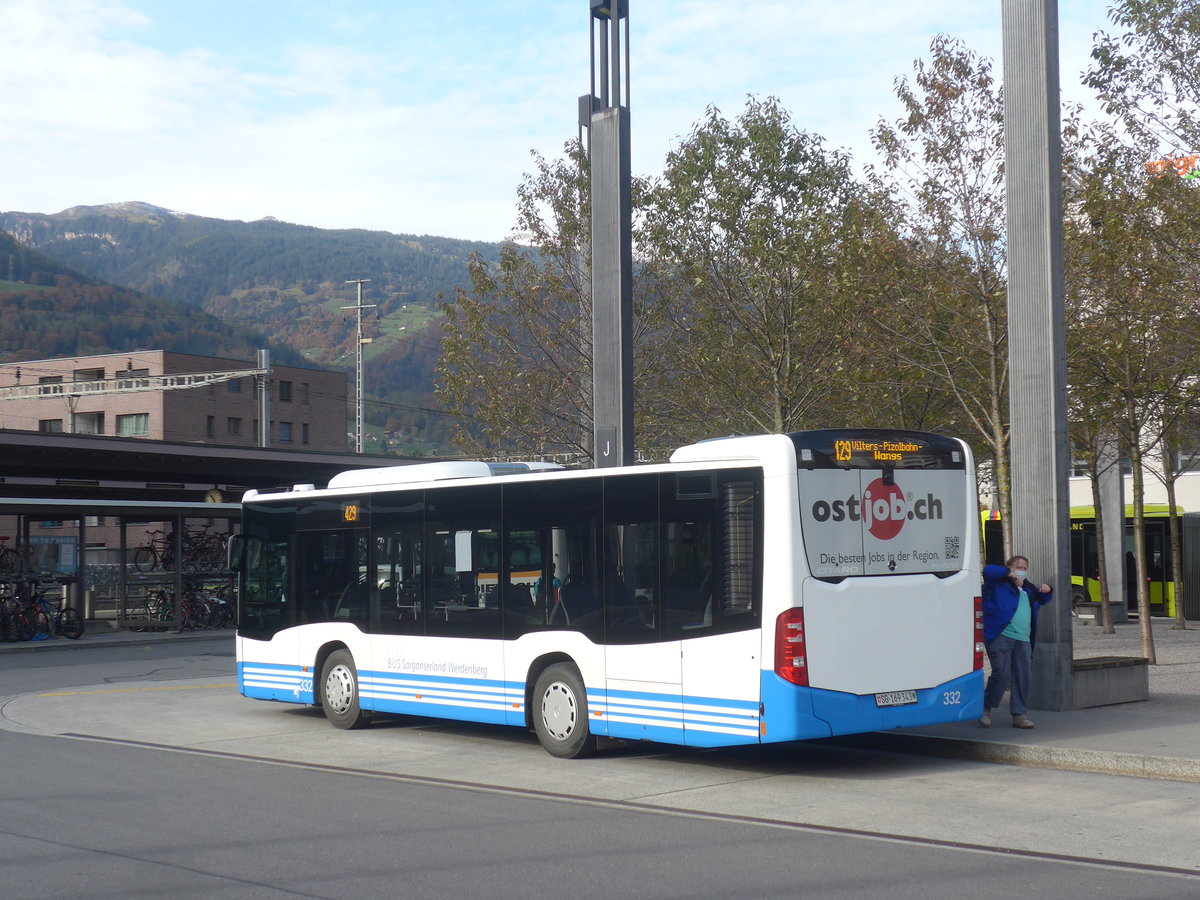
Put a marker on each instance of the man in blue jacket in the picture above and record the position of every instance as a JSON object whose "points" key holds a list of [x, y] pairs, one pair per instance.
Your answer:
{"points": [[1010, 611]]}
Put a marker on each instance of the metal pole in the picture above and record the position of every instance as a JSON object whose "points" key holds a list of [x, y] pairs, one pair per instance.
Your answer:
{"points": [[264, 398], [612, 244], [358, 364]]}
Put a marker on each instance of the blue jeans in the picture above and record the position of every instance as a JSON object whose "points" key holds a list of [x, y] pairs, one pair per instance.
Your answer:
{"points": [[1010, 661]]}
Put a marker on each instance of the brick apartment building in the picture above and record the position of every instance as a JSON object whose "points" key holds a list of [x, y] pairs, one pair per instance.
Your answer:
{"points": [[165, 396]]}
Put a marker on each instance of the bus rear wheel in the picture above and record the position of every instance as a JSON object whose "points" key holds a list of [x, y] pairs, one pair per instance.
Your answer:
{"points": [[339, 691], [560, 713]]}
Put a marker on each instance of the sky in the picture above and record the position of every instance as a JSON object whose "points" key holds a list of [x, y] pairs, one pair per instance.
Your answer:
{"points": [[421, 116]]}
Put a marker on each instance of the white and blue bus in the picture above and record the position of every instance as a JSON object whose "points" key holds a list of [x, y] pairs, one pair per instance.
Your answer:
{"points": [[754, 589]]}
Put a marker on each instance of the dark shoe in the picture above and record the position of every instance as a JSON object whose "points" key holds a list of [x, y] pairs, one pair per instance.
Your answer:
{"points": [[1022, 722]]}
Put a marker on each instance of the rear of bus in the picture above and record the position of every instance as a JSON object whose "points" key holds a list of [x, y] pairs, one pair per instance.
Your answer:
{"points": [[887, 629]]}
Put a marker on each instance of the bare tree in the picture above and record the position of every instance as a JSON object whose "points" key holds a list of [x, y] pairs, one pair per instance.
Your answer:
{"points": [[945, 159]]}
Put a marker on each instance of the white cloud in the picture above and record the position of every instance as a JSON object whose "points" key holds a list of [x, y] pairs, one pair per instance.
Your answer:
{"points": [[413, 117]]}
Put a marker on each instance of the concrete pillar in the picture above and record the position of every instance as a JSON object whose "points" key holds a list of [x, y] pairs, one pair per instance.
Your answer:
{"points": [[1111, 499], [1036, 331]]}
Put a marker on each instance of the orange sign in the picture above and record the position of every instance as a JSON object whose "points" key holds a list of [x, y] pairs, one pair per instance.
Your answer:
{"points": [[1183, 166]]}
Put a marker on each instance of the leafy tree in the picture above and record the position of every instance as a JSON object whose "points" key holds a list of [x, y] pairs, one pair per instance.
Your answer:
{"points": [[945, 159], [516, 357], [1132, 333], [1147, 75], [756, 234]]}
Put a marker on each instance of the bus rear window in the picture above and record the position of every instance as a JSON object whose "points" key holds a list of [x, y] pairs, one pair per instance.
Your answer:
{"points": [[883, 521]]}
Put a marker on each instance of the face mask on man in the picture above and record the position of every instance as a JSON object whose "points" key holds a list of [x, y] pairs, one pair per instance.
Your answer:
{"points": [[1020, 574]]}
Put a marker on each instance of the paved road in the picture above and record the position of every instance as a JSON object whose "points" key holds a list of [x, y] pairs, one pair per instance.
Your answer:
{"points": [[231, 797]]}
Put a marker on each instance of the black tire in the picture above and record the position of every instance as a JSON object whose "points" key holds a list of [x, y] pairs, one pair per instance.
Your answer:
{"points": [[560, 713], [339, 691], [200, 614], [144, 559], [70, 623], [187, 618]]}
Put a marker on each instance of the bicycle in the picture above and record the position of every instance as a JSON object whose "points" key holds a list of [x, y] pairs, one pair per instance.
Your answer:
{"points": [[203, 549], [157, 553], [220, 609], [157, 608], [10, 614], [41, 616], [13, 562], [193, 613]]}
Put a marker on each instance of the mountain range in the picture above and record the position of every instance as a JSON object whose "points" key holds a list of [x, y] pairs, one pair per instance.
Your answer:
{"points": [[125, 276]]}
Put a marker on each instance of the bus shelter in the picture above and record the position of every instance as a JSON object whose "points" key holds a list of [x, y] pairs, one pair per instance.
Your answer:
{"points": [[121, 563]]}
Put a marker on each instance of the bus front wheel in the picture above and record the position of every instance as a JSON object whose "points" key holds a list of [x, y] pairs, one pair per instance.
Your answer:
{"points": [[560, 713], [339, 691]]}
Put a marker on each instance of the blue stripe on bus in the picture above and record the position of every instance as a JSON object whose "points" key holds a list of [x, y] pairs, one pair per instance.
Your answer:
{"points": [[466, 699], [692, 720], [272, 681], [637, 715], [793, 713]]}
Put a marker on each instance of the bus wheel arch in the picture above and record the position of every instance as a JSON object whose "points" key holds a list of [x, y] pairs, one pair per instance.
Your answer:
{"points": [[559, 710], [336, 690], [536, 668]]}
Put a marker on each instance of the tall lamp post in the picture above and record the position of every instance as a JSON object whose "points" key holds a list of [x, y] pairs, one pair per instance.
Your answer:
{"points": [[358, 363], [606, 117]]}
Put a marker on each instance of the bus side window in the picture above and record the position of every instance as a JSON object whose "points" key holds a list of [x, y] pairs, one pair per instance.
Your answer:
{"points": [[552, 570], [463, 550], [631, 559], [399, 586], [332, 582]]}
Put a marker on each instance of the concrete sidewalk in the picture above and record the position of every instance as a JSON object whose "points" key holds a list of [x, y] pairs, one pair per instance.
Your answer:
{"points": [[107, 637], [1158, 738]]}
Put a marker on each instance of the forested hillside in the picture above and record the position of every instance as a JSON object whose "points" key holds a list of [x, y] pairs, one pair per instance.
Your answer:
{"points": [[285, 281], [47, 309]]}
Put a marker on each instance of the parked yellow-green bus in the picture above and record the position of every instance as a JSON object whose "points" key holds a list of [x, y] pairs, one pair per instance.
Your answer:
{"points": [[1085, 564]]}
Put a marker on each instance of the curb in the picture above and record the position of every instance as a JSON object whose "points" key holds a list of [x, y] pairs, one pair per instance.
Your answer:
{"points": [[1041, 756], [112, 640]]}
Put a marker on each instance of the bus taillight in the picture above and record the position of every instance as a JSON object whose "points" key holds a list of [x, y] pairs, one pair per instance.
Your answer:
{"points": [[978, 633], [791, 660]]}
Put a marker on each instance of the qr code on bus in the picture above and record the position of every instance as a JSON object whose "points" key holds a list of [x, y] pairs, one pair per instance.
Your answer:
{"points": [[952, 547]]}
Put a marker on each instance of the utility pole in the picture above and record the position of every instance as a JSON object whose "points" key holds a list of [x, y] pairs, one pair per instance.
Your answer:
{"points": [[263, 380], [358, 364]]}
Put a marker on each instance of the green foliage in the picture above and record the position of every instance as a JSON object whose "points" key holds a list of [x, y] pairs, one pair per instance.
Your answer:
{"points": [[1147, 75], [944, 162], [755, 231], [64, 313], [516, 360]]}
